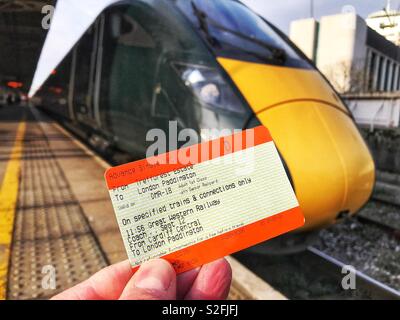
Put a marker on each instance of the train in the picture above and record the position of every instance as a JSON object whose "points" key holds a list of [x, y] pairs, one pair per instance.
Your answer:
{"points": [[206, 65]]}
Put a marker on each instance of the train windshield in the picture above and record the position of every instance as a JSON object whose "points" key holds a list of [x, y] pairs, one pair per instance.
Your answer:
{"points": [[233, 30]]}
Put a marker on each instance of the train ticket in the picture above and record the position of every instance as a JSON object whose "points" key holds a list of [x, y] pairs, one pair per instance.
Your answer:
{"points": [[197, 204]]}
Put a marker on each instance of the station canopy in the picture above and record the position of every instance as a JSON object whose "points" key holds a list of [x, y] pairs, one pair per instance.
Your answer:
{"points": [[21, 39], [70, 21], [27, 50]]}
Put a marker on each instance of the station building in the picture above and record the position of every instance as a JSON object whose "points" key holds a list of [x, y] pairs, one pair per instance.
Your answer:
{"points": [[361, 58], [387, 23]]}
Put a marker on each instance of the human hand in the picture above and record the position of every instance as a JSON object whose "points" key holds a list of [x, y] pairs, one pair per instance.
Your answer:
{"points": [[154, 280]]}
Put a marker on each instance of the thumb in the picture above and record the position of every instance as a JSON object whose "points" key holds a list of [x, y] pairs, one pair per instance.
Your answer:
{"points": [[155, 280]]}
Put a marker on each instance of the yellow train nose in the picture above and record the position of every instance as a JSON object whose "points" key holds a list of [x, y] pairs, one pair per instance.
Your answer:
{"points": [[330, 164]]}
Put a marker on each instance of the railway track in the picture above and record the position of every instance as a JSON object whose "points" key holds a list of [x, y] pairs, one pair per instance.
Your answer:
{"points": [[387, 188], [384, 215], [370, 242], [371, 239], [369, 286], [383, 210], [378, 223], [313, 274]]}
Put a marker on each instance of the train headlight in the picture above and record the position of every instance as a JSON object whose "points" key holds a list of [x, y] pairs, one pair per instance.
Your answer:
{"points": [[208, 85]]}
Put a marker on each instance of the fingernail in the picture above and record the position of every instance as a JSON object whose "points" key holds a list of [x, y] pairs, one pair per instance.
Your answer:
{"points": [[154, 275]]}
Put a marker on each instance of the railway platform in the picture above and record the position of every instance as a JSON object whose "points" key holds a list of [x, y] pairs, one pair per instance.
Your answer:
{"points": [[56, 215]]}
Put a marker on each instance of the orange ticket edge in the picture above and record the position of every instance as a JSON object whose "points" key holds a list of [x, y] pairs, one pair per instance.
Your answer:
{"points": [[140, 170], [235, 240]]}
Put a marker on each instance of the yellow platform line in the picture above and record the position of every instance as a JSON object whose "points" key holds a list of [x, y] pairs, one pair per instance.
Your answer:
{"points": [[8, 202]]}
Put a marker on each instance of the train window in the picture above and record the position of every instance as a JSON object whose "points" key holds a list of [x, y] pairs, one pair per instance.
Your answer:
{"points": [[129, 33], [150, 55], [129, 57], [84, 76], [209, 86], [54, 93], [234, 30]]}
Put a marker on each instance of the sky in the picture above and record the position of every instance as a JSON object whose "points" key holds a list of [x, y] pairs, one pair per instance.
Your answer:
{"points": [[281, 12]]}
